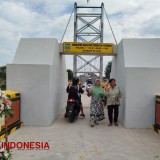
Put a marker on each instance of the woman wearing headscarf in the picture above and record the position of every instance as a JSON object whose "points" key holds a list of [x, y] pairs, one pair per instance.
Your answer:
{"points": [[96, 106]]}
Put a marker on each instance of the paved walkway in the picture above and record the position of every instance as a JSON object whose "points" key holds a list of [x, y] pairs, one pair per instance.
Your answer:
{"points": [[78, 141]]}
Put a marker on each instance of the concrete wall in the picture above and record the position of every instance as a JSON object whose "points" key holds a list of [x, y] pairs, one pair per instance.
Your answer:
{"points": [[36, 51], [137, 71], [119, 73], [142, 52], [142, 85], [39, 73]]}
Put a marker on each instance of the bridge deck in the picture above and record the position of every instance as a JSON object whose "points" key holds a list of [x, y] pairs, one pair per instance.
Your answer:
{"points": [[78, 141]]}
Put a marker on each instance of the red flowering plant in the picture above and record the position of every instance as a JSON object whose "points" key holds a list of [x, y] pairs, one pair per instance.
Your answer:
{"points": [[5, 111]]}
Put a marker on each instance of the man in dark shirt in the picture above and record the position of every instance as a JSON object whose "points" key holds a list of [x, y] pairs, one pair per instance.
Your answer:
{"points": [[74, 91], [89, 81]]}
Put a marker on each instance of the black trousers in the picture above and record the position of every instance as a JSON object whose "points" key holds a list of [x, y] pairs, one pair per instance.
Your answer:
{"points": [[110, 113]]}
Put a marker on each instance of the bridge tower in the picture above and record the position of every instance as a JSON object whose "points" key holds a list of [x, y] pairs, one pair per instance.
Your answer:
{"points": [[88, 27]]}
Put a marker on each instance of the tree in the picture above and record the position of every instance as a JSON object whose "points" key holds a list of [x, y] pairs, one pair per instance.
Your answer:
{"points": [[3, 72], [70, 74], [3, 78], [108, 70]]}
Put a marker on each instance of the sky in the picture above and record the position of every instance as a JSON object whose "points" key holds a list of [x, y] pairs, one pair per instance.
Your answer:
{"points": [[48, 19]]}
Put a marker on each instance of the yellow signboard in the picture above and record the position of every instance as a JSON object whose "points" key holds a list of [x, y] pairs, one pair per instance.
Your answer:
{"points": [[78, 47]]}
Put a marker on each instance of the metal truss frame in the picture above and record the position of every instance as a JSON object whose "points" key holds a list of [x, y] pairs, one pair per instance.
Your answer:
{"points": [[81, 34]]}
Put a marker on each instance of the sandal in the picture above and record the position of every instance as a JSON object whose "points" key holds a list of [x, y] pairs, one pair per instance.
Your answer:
{"points": [[82, 115], [92, 124], [110, 124], [96, 122]]}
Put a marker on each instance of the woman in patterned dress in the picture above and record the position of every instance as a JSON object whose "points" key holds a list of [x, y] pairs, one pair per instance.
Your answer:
{"points": [[96, 106]]}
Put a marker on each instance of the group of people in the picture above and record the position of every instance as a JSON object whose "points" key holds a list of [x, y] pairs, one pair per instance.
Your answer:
{"points": [[99, 95]]}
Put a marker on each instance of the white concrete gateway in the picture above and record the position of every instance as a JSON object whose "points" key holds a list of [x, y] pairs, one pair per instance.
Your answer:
{"points": [[137, 71], [38, 71]]}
